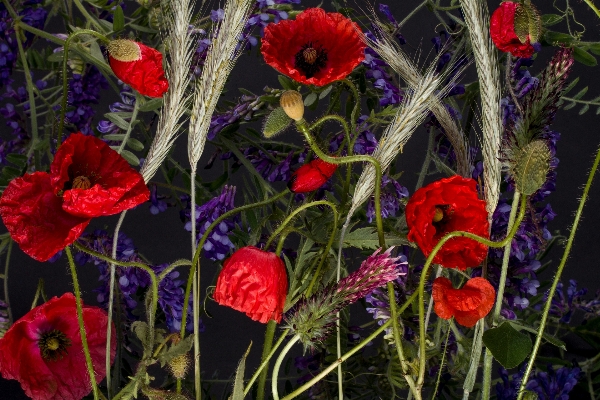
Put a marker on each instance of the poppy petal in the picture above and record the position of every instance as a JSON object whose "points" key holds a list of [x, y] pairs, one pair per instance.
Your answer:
{"points": [[468, 304], [35, 219], [311, 176]]}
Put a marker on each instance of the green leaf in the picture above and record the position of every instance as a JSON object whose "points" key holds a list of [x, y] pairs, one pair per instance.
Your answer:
{"points": [[569, 106], [557, 37], [238, 383], [310, 99], [96, 52], [551, 19], [325, 92], [584, 57], [547, 337], [584, 109], [118, 19], [130, 157], [367, 238], [142, 28], [117, 120], [151, 105], [176, 350], [17, 159], [56, 57], [286, 83], [595, 48], [509, 346], [590, 332], [580, 94], [135, 144], [114, 136]]}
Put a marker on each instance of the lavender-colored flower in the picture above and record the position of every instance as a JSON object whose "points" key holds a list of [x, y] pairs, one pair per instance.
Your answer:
{"points": [[125, 105], [157, 205], [243, 111], [391, 194], [84, 90], [218, 245], [365, 143], [269, 165], [4, 320], [554, 385], [378, 75], [171, 292]]}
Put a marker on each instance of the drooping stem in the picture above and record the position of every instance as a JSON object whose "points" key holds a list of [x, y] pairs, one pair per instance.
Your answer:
{"points": [[488, 358], [277, 365], [265, 362], [82, 333], [563, 261], [424, 274]]}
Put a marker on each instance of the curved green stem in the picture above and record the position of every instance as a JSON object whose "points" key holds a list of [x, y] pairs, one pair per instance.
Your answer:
{"points": [[324, 257], [277, 365], [196, 259], [134, 113], [67, 45], [87, 15], [563, 261], [350, 353], [84, 343], [355, 109], [265, 362], [304, 129], [438, 246]]}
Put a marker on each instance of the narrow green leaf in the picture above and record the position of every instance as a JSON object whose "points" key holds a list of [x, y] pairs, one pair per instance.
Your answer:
{"points": [[286, 83], [310, 99], [547, 337], [238, 383], [557, 37], [367, 239], [114, 136], [584, 57], [570, 86], [551, 19], [569, 106], [17, 159], [580, 94], [509, 346], [135, 144], [130, 157], [325, 92], [117, 120], [584, 109], [118, 19], [142, 28], [151, 105]]}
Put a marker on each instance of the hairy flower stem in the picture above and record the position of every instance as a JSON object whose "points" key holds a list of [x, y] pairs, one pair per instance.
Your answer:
{"points": [[421, 302], [84, 343], [31, 98], [111, 299], [398, 340], [87, 15], [277, 365], [63, 103], [6, 265], [195, 286], [265, 362], [353, 114], [488, 358], [590, 3], [195, 261], [267, 345], [563, 261], [305, 130], [136, 108], [350, 353], [324, 257]]}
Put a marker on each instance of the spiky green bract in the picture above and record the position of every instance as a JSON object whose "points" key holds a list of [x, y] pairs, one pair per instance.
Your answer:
{"points": [[530, 167], [313, 319], [541, 104], [276, 122]]}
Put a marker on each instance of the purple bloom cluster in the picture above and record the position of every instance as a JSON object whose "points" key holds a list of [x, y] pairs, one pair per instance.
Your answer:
{"points": [[243, 110], [564, 307], [269, 164], [365, 143], [391, 194], [523, 83], [4, 320], [129, 280], [125, 105], [218, 245], [551, 385], [84, 91], [157, 204], [378, 74]]}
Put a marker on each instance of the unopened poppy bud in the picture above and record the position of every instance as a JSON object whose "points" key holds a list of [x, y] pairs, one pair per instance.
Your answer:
{"points": [[293, 105], [276, 122], [311, 176], [530, 167], [139, 66]]}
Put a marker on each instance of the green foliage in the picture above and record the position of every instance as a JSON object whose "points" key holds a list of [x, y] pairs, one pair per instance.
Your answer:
{"points": [[508, 346]]}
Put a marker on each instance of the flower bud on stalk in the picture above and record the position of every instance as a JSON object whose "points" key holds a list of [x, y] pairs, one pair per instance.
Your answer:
{"points": [[292, 104]]}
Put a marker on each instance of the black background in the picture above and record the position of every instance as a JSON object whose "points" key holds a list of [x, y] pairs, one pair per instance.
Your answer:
{"points": [[162, 238]]}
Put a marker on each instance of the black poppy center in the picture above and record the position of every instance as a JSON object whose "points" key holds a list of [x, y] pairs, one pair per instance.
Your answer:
{"points": [[310, 59], [53, 345]]}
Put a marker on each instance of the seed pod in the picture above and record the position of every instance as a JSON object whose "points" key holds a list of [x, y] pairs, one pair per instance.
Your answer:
{"points": [[178, 366], [276, 122], [292, 104], [530, 167]]}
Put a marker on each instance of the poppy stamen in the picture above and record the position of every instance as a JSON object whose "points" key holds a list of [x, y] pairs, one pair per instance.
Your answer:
{"points": [[81, 182], [310, 59], [53, 345]]}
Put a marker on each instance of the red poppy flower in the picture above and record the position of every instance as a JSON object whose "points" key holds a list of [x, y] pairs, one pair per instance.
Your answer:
{"points": [[255, 282], [43, 350], [44, 212], [139, 66], [311, 176], [316, 48], [444, 206], [467, 305], [502, 30]]}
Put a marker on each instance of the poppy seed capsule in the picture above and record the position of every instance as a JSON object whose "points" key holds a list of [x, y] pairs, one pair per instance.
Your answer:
{"points": [[124, 50], [530, 167], [292, 104]]}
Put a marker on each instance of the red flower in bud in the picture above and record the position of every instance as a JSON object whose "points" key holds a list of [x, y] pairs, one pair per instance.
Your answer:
{"points": [[43, 350], [139, 66], [467, 305], [316, 48], [311, 176], [502, 30], [255, 282], [444, 206], [44, 212]]}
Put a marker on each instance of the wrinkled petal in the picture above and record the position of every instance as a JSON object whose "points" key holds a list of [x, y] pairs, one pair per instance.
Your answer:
{"points": [[65, 378], [336, 34], [145, 75], [464, 212], [35, 219], [311, 176], [115, 185], [502, 31], [255, 282], [467, 305]]}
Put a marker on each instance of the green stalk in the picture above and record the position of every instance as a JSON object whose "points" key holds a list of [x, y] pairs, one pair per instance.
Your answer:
{"points": [[488, 358], [355, 109], [563, 261], [349, 354], [84, 343], [134, 113], [438, 246], [277, 365], [265, 362], [87, 15], [268, 344], [30, 95], [590, 3], [67, 45]]}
